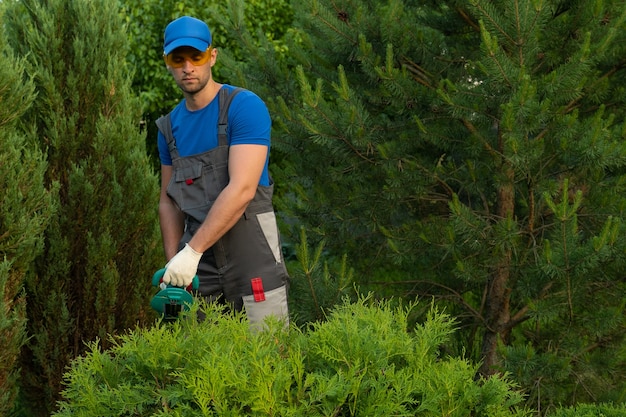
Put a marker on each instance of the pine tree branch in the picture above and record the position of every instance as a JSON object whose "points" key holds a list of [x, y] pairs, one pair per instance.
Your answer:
{"points": [[518, 318], [495, 24], [573, 104], [521, 315], [531, 206], [468, 19], [453, 294], [567, 267], [341, 137], [438, 180], [334, 28], [472, 129], [419, 74]]}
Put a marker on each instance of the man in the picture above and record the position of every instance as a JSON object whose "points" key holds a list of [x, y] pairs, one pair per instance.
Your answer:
{"points": [[215, 206]]}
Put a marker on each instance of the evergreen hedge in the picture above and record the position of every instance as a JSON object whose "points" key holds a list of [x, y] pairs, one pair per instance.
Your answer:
{"points": [[102, 244], [591, 410], [25, 210], [362, 361]]}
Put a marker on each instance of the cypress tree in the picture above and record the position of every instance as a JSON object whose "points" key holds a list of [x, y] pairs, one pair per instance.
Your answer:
{"points": [[471, 150], [93, 278], [25, 208]]}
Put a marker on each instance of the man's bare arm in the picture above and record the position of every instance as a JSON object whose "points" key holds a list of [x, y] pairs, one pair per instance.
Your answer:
{"points": [[170, 216]]}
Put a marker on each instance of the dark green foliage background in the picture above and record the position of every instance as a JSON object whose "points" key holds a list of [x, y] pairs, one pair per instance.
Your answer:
{"points": [[472, 151]]}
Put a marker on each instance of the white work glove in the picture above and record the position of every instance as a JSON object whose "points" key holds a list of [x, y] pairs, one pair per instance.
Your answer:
{"points": [[181, 269]]}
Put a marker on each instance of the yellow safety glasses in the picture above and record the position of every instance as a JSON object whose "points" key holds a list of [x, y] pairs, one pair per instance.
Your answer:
{"points": [[177, 58]]}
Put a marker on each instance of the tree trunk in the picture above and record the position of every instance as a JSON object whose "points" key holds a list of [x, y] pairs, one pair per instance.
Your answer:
{"points": [[497, 306]]}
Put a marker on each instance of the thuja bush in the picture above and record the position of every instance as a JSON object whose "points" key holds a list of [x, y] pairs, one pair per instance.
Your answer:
{"points": [[591, 410], [362, 361]]}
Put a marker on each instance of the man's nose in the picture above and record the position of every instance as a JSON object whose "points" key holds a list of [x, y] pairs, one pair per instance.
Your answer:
{"points": [[188, 66]]}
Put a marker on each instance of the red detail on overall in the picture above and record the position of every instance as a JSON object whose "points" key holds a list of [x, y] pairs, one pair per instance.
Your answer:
{"points": [[188, 181], [257, 289]]}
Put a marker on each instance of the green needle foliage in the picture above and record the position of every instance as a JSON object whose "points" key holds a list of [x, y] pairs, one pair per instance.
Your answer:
{"points": [[318, 283], [470, 150], [26, 207], [101, 247], [363, 361], [586, 410]]}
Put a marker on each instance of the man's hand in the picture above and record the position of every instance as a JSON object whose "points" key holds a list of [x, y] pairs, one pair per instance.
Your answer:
{"points": [[181, 269]]}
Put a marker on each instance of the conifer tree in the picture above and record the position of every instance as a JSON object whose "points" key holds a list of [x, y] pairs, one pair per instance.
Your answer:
{"points": [[25, 208], [93, 278], [472, 150]]}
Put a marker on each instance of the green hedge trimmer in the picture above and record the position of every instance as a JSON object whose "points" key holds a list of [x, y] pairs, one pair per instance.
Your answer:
{"points": [[171, 300]]}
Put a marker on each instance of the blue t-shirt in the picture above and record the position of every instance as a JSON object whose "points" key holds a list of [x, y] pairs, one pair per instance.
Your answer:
{"points": [[249, 123]]}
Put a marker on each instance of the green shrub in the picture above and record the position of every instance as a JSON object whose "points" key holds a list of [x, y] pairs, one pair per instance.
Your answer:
{"points": [[591, 410], [86, 279], [361, 362]]}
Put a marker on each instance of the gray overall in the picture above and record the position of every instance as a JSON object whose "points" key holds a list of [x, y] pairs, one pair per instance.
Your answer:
{"points": [[245, 268]]}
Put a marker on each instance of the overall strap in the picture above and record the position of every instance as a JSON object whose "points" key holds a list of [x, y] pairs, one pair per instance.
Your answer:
{"points": [[164, 123], [224, 102]]}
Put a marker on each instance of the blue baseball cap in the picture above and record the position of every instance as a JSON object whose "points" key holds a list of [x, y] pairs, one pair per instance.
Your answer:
{"points": [[186, 31]]}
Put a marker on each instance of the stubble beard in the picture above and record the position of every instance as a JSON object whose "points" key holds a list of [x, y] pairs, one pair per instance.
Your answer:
{"points": [[195, 88]]}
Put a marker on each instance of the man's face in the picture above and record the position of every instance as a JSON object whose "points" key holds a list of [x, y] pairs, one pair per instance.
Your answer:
{"points": [[191, 68]]}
